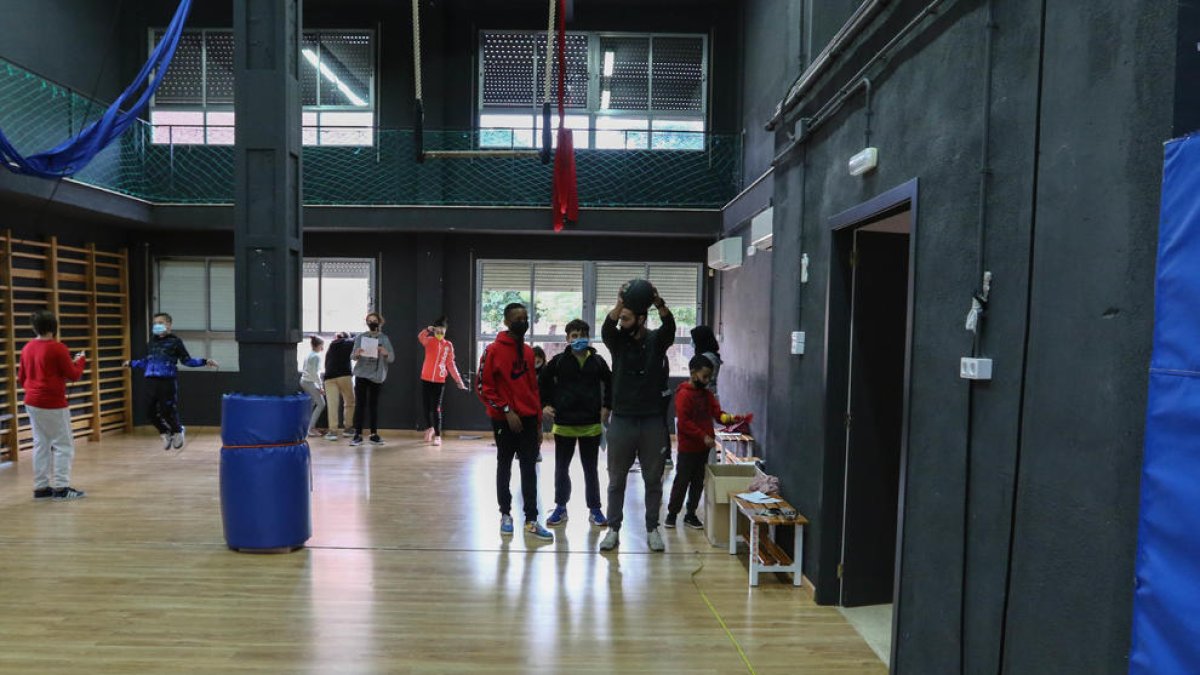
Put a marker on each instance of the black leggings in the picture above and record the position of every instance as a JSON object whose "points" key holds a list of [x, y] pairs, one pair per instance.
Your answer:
{"points": [[366, 395], [162, 401], [433, 393]]}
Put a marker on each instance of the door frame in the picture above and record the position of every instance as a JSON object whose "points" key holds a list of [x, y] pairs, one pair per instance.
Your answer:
{"points": [[835, 378]]}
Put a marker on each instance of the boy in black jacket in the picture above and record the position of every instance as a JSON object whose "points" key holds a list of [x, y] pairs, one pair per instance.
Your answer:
{"points": [[576, 390]]}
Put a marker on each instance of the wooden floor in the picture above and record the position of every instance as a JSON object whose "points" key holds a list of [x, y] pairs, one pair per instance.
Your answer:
{"points": [[406, 572]]}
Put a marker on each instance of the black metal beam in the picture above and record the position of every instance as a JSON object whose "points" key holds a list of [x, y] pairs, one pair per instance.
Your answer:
{"points": [[267, 211]]}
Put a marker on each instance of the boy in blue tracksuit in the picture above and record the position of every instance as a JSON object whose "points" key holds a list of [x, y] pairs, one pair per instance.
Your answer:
{"points": [[163, 353]]}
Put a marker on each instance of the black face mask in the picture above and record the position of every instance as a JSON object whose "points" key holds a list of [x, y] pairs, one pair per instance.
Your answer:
{"points": [[372, 326], [699, 384], [518, 328]]}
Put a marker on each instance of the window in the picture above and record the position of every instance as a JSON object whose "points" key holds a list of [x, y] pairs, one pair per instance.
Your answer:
{"points": [[194, 103], [557, 292], [637, 91], [337, 294], [198, 294]]}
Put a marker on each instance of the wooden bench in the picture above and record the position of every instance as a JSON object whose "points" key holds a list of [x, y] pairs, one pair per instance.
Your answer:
{"points": [[765, 554], [733, 448]]}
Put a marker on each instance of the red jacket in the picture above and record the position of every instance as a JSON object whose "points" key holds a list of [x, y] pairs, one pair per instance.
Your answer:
{"points": [[45, 369], [695, 410], [507, 378], [439, 359]]}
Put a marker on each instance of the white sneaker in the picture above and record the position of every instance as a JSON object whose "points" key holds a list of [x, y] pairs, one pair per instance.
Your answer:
{"points": [[654, 539], [167, 439], [179, 439], [331, 436], [611, 540]]}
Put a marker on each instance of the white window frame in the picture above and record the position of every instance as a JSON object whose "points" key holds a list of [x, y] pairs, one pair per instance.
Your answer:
{"points": [[193, 335], [590, 301], [311, 131], [374, 285], [593, 110]]}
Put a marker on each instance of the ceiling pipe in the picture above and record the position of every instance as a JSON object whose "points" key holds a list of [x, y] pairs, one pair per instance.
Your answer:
{"points": [[850, 30]]}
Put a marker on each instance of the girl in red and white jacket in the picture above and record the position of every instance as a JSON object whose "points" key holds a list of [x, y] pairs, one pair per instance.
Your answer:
{"points": [[695, 410], [439, 362], [46, 367]]}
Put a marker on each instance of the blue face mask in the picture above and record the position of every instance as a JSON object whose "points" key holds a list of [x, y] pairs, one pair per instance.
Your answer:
{"points": [[580, 344], [159, 329]]}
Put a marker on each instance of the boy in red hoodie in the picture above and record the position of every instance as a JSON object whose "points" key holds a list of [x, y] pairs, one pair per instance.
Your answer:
{"points": [[695, 410], [46, 367], [508, 388]]}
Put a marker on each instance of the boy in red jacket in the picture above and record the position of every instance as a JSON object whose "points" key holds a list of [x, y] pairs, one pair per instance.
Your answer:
{"points": [[695, 410], [508, 388], [46, 367]]}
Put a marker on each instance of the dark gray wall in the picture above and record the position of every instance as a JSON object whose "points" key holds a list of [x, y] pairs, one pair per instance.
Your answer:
{"points": [[421, 276], [1042, 583], [83, 44], [744, 328], [771, 32]]}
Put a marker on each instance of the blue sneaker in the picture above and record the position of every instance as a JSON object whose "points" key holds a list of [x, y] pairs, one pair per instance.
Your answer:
{"points": [[558, 517], [597, 518], [506, 525], [532, 527]]}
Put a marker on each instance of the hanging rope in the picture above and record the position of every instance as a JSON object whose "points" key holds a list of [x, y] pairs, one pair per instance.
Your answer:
{"points": [[546, 86], [419, 109], [419, 106]]}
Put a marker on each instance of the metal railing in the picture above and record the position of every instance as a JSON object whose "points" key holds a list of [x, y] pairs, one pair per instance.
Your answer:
{"points": [[373, 166]]}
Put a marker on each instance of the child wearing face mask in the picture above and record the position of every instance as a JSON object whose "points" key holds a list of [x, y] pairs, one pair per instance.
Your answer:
{"points": [[695, 410], [439, 363], [163, 353], [576, 391], [310, 382], [369, 374]]}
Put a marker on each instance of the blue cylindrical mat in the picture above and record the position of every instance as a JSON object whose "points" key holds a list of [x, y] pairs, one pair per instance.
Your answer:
{"points": [[1166, 603], [265, 472], [264, 420]]}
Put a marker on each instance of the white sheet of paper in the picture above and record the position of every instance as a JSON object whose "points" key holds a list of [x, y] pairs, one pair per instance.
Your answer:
{"points": [[369, 347], [758, 498]]}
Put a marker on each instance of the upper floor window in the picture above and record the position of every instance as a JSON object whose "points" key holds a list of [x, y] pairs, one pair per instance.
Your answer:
{"points": [[194, 103], [623, 91]]}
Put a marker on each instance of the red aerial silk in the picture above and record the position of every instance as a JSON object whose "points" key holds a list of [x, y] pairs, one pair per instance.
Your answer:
{"points": [[565, 201], [566, 196]]}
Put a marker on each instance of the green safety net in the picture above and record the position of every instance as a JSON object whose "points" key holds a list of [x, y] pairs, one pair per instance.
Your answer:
{"points": [[155, 165]]}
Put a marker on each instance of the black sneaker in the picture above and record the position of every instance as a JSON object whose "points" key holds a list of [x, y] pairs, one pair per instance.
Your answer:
{"points": [[669, 521], [376, 440], [357, 440], [693, 522], [68, 493], [43, 493]]}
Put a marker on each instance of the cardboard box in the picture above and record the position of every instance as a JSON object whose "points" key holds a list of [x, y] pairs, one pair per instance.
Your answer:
{"points": [[719, 481]]}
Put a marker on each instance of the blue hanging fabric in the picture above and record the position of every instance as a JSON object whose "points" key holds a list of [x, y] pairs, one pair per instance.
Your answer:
{"points": [[1166, 602], [71, 156]]}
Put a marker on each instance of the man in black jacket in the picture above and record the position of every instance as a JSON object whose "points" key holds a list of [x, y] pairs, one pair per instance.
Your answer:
{"points": [[637, 424], [576, 389]]}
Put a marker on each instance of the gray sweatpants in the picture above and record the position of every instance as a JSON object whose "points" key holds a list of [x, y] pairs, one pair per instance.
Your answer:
{"points": [[637, 438], [53, 446]]}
